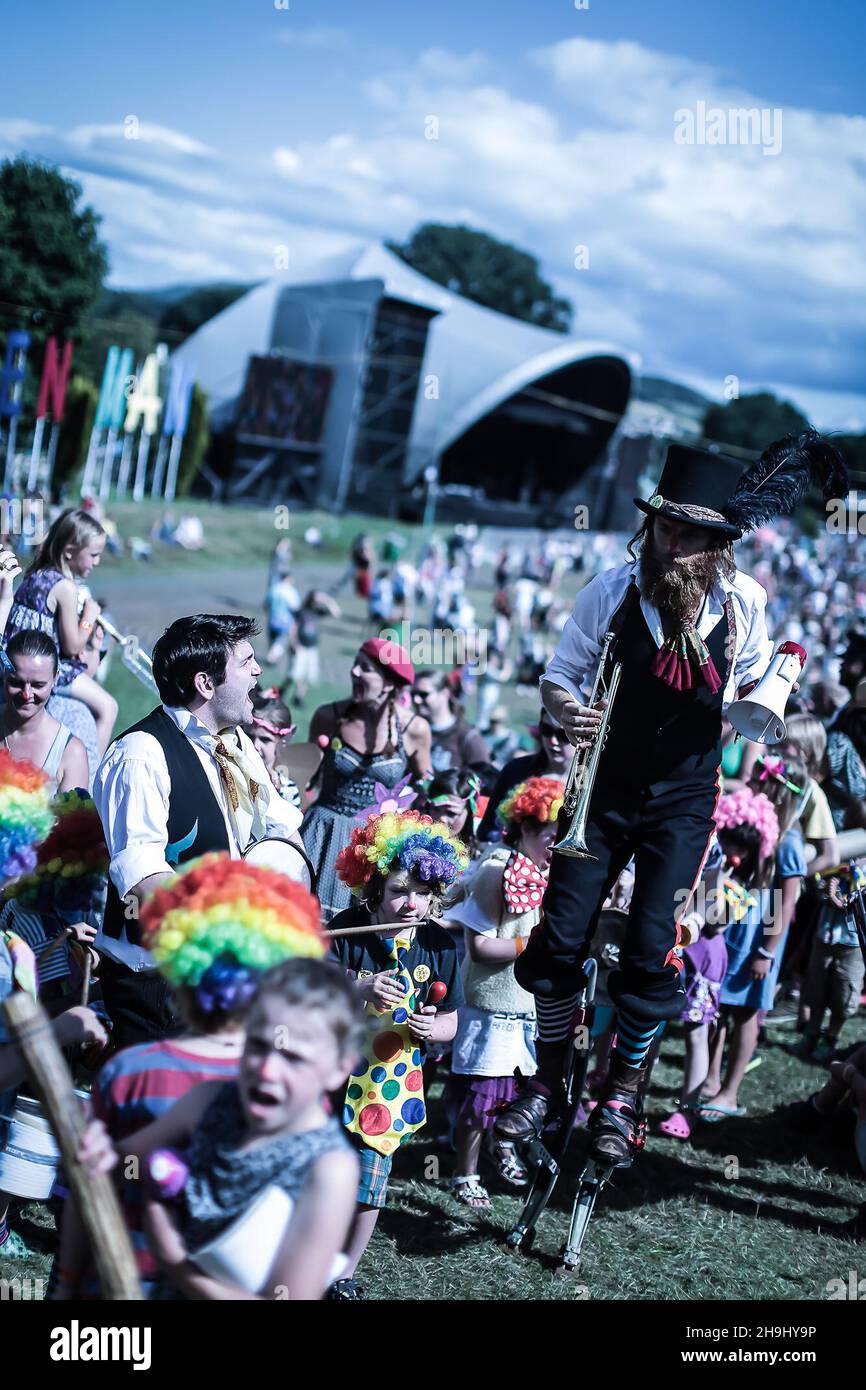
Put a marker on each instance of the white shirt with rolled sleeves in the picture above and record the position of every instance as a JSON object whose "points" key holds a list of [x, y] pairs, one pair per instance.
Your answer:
{"points": [[131, 792], [573, 664]]}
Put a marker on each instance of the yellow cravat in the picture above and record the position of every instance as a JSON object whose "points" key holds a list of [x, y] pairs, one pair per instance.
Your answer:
{"points": [[237, 776]]}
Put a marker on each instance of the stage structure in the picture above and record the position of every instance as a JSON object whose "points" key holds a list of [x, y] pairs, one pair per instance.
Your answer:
{"points": [[384, 384]]}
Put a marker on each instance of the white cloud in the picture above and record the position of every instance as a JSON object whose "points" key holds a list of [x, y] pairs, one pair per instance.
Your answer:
{"points": [[710, 259], [453, 67], [131, 128], [315, 36]]}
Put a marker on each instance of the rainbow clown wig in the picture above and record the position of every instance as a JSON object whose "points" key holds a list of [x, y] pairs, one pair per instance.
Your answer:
{"points": [[219, 926], [401, 841], [71, 863], [745, 807], [539, 799], [25, 815]]}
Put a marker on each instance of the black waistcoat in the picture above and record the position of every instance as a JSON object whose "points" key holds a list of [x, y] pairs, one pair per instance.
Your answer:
{"points": [[660, 737], [196, 824]]}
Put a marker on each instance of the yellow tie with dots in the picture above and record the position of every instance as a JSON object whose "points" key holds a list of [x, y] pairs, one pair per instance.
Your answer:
{"points": [[385, 1096]]}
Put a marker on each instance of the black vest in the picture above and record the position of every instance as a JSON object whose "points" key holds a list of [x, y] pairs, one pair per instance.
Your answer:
{"points": [[660, 737], [196, 824]]}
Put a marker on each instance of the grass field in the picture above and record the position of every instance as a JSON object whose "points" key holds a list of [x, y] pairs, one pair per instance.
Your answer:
{"points": [[230, 576], [747, 1210]]}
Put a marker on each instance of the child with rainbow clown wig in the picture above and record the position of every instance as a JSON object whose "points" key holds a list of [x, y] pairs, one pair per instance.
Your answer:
{"points": [[496, 1033], [398, 866], [242, 947], [26, 819]]}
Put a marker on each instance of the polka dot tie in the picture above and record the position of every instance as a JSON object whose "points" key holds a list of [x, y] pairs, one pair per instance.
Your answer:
{"points": [[385, 1096], [523, 884]]}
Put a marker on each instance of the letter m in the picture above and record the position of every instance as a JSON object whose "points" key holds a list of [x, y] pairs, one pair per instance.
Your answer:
{"points": [[112, 398]]}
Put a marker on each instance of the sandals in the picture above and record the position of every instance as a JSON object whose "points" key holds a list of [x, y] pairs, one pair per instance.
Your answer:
{"points": [[714, 1114], [676, 1126], [468, 1190], [503, 1156]]}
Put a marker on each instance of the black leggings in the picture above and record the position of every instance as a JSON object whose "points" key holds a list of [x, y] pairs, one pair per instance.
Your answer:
{"points": [[668, 836]]}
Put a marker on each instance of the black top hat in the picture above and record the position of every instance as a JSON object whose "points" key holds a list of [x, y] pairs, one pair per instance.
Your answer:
{"points": [[694, 487], [712, 490]]}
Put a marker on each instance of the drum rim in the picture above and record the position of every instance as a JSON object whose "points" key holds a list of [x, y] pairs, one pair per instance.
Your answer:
{"points": [[284, 839]]}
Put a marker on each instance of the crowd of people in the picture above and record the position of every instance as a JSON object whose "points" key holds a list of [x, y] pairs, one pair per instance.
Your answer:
{"points": [[264, 1042]]}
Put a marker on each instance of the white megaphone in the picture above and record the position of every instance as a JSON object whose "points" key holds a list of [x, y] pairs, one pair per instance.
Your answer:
{"points": [[760, 716]]}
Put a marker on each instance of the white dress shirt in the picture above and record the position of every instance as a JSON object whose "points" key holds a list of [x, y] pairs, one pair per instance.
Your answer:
{"points": [[573, 664], [131, 792]]}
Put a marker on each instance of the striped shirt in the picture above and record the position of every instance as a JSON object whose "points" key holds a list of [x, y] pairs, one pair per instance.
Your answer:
{"points": [[140, 1083], [135, 1087]]}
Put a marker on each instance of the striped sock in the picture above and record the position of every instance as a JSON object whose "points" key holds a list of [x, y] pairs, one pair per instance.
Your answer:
{"points": [[554, 1017], [634, 1038]]}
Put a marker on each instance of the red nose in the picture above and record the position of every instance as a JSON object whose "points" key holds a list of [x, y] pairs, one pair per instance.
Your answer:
{"points": [[437, 991]]}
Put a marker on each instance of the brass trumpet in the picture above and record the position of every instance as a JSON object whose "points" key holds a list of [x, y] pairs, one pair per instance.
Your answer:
{"points": [[584, 764]]}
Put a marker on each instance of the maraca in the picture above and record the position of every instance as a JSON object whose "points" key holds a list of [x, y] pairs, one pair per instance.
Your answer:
{"points": [[167, 1172], [436, 992]]}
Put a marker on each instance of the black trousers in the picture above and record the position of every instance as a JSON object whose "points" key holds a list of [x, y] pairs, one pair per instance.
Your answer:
{"points": [[668, 831], [140, 1005]]}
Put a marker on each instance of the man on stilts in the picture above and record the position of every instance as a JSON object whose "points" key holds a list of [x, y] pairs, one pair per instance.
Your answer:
{"points": [[691, 637]]}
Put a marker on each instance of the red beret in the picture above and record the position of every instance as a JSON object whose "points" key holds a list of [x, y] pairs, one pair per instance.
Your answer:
{"points": [[392, 656]]}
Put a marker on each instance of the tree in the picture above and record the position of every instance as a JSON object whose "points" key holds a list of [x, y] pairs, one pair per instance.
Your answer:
{"points": [[490, 272], [753, 422], [195, 441], [853, 448], [130, 329], [185, 315], [53, 262], [78, 417]]}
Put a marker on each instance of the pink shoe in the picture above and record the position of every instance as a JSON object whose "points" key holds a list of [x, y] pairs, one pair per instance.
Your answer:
{"points": [[676, 1126]]}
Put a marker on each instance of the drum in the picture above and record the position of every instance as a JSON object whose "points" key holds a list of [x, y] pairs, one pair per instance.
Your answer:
{"points": [[245, 1251], [283, 857], [30, 1156]]}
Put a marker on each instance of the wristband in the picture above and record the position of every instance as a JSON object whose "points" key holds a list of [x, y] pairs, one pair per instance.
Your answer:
{"points": [[519, 945], [765, 954]]}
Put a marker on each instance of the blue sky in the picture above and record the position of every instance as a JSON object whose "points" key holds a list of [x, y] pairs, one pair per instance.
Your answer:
{"points": [[255, 127]]}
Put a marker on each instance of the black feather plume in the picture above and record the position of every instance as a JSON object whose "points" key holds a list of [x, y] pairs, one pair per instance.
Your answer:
{"points": [[779, 480]]}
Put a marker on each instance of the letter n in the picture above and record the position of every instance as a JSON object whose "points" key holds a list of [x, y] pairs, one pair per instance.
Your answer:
{"points": [[54, 379]]}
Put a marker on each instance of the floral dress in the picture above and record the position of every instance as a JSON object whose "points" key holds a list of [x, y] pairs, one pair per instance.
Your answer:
{"points": [[347, 786], [30, 613]]}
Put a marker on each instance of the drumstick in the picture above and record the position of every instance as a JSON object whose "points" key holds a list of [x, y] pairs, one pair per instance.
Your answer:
{"points": [[384, 928], [53, 945], [88, 971]]}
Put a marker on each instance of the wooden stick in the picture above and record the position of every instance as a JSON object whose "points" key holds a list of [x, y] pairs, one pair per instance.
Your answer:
{"points": [[30, 1028], [88, 971], [377, 929], [53, 945]]}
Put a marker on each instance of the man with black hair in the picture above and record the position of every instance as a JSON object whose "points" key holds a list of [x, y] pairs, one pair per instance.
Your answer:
{"points": [[182, 782]]}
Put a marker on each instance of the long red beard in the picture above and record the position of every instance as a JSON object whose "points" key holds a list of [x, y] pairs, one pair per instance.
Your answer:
{"points": [[678, 587]]}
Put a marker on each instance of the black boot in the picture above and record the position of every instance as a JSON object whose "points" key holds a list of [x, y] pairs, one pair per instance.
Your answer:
{"points": [[525, 1117], [616, 1124]]}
